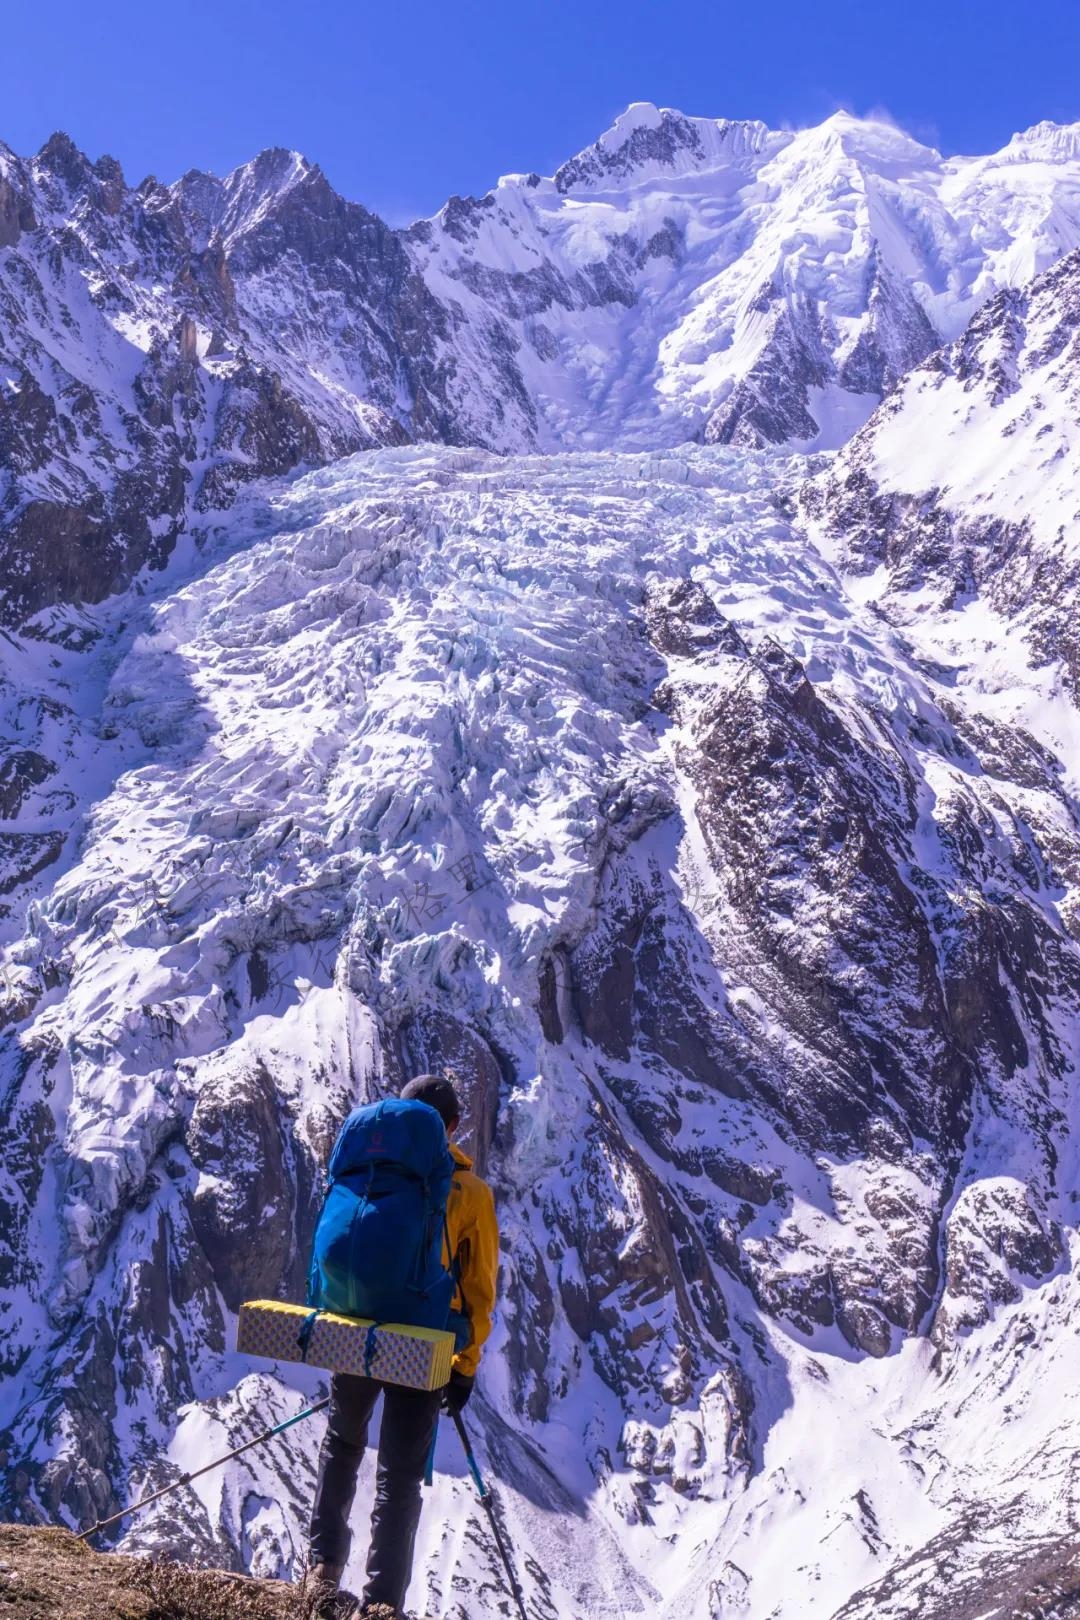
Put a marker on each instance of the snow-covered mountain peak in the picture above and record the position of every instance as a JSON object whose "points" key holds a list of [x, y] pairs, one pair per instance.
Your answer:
{"points": [[61, 157], [200, 199], [273, 184], [247, 196], [637, 115], [1053, 143], [275, 171], [657, 146], [705, 277], [875, 142], [61, 185], [648, 143], [961, 491]]}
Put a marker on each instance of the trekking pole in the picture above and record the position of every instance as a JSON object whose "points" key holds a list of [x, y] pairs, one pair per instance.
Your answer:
{"points": [[489, 1504], [185, 1479]]}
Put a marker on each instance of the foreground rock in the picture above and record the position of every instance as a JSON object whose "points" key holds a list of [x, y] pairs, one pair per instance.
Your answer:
{"points": [[1040, 1582], [50, 1575]]}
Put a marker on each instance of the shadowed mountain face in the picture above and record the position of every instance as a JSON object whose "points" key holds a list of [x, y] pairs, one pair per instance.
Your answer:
{"points": [[162, 346]]}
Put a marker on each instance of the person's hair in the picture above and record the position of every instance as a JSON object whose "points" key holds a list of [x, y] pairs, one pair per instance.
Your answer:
{"points": [[438, 1093]]}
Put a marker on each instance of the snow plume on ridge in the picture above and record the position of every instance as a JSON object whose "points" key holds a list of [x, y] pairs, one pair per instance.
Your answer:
{"points": [[746, 938]]}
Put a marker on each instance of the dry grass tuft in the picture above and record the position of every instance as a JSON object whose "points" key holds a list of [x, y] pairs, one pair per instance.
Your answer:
{"points": [[47, 1574], [178, 1592]]}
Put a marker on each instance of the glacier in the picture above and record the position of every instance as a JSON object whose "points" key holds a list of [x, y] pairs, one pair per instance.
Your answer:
{"points": [[417, 762]]}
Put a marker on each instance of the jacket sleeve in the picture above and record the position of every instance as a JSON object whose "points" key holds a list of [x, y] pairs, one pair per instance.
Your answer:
{"points": [[479, 1258]]}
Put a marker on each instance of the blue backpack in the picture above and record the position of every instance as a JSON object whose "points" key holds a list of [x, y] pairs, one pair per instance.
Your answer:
{"points": [[378, 1242]]}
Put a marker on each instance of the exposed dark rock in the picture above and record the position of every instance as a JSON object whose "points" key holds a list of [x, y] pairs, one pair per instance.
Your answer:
{"points": [[785, 793], [462, 216], [793, 804], [994, 1241], [23, 855], [21, 772], [16, 213], [948, 546], [434, 1041], [54, 553], [663, 142], [242, 1207], [63, 158], [896, 335], [975, 1571], [77, 1477], [548, 1007], [685, 622], [603, 985], [771, 404], [864, 1327], [24, 1141]]}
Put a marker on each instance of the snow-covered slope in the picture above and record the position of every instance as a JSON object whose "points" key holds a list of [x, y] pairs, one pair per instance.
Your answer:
{"points": [[747, 937], [684, 278], [957, 506]]}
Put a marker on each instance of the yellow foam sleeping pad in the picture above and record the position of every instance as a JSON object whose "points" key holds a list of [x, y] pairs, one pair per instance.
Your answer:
{"points": [[419, 1358]]}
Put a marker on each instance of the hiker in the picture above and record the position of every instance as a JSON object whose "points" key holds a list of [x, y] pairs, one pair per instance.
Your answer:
{"points": [[410, 1416]]}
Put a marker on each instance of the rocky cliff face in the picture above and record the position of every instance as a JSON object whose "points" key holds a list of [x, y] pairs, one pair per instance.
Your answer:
{"points": [[747, 933], [163, 346]]}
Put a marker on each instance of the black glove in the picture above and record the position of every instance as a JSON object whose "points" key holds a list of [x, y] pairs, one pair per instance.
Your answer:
{"points": [[457, 1392]]}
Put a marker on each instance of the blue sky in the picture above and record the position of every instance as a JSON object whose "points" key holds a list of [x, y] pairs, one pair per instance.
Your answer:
{"points": [[405, 104]]}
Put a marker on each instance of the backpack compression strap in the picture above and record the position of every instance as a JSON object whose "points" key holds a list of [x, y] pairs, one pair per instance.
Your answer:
{"points": [[455, 1265], [303, 1338], [307, 1327], [370, 1347]]}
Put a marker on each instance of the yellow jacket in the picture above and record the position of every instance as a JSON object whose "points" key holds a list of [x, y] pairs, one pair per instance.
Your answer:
{"points": [[474, 1240]]}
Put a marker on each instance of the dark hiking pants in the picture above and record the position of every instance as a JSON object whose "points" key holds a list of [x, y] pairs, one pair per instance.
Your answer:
{"points": [[408, 1427]]}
